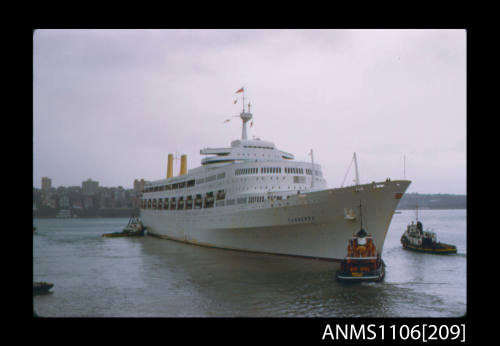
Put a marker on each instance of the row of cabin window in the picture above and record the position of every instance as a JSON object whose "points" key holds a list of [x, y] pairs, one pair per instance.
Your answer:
{"points": [[175, 186], [255, 199], [294, 170], [309, 172], [253, 170], [275, 170], [197, 203], [182, 184], [174, 204]]}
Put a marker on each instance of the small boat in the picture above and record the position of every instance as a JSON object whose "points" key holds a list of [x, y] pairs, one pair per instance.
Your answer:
{"points": [[134, 228], [362, 262], [41, 287], [416, 239]]}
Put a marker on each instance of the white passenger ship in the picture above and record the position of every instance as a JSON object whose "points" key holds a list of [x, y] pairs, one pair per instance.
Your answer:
{"points": [[254, 197]]}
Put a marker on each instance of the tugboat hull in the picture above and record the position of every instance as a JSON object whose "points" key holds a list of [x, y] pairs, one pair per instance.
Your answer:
{"points": [[352, 276], [445, 249]]}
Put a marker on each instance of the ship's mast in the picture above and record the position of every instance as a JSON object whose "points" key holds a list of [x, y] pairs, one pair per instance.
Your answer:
{"points": [[361, 214], [245, 117], [312, 167], [404, 166], [356, 169]]}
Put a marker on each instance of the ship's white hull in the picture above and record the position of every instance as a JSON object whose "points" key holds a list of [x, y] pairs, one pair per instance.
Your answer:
{"points": [[309, 225]]}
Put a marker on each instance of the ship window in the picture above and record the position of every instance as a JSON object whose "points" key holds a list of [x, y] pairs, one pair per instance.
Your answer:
{"points": [[221, 194], [198, 202], [209, 200], [221, 175], [173, 203], [154, 203], [160, 203], [190, 183], [181, 185], [169, 187], [241, 200], [189, 202], [165, 204], [200, 181], [180, 203]]}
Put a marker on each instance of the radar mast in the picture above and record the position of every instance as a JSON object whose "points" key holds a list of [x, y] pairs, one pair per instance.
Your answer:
{"points": [[245, 116]]}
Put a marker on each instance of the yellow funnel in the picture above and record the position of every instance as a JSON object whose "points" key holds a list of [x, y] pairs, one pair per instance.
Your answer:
{"points": [[170, 166], [183, 165]]}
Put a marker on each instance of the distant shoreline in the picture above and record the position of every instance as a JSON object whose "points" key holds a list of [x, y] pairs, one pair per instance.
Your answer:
{"points": [[409, 201], [123, 216]]}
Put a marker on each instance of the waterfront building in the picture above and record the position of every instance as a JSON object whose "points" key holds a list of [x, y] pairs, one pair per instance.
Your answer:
{"points": [[46, 184], [90, 187]]}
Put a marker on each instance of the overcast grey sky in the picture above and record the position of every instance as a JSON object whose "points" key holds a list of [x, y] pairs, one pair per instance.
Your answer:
{"points": [[111, 104]]}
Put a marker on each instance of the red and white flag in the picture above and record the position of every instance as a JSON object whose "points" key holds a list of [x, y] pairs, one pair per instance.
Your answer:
{"points": [[239, 91]]}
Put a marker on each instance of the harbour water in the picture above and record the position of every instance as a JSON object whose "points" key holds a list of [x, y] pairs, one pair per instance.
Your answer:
{"points": [[95, 276]]}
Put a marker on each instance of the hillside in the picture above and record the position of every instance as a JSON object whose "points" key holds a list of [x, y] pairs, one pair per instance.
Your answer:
{"points": [[433, 201]]}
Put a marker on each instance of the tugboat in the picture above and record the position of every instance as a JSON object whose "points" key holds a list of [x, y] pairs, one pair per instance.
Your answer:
{"points": [[134, 228], [362, 262], [41, 287], [416, 239]]}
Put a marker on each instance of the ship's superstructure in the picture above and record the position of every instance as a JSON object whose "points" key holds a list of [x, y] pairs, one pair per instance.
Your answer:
{"points": [[252, 196]]}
